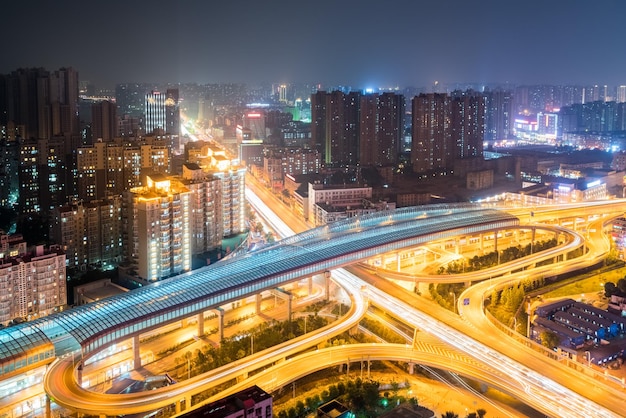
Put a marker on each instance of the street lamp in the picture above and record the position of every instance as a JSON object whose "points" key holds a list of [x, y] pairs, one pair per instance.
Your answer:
{"points": [[453, 302]]}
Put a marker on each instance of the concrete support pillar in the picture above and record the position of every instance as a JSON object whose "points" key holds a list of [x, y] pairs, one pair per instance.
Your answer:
{"points": [[482, 243], [411, 368], [200, 317], [327, 284], [310, 283], [457, 244], [177, 406], [340, 367], [495, 240], [48, 413], [259, 299], [136, 354], [289, 304], [79, 373], [220, 321], [398, 261]]}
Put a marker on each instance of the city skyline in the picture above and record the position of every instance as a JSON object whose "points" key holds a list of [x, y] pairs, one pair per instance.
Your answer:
{"points": [[358, 43]]}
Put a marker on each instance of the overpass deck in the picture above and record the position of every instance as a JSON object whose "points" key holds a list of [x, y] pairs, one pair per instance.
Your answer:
{"points": [[98, 325]]}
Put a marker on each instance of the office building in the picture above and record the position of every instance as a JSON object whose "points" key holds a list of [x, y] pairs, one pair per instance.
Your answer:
{"points": [[130, 99], [337, 196], [155, 111]]}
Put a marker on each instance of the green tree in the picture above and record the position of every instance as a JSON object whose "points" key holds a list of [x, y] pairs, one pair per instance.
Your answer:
{"points": [[481, 412], [300, 408], [449, 414], [549, 339]]}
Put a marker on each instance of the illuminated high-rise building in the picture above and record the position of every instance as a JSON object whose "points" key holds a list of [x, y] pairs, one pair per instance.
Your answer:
{"points": [[431, 146], [498, 115], [335, 126], [90, 233], [282, 93], [159, 219], [155, 112], [621, 94], [34, 284], [381, 128], [446, 128], [43, 107], [467, 123], [207, 229], [108, 169]]}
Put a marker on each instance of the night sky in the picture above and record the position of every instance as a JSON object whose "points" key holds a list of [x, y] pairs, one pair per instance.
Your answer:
{"points": [[366, 43]]}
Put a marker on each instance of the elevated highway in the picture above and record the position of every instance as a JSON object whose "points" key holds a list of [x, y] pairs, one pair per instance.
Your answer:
{"points": [[314, 251]]}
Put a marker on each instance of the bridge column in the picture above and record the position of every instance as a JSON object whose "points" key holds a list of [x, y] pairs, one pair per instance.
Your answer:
{"points": [[482, 243], [457, 244], [289, 303], [177, 406], [399, 261], [48, 412], [200, 317], [136, 354], [327, 284], [79, 373], [411, 368], [220, 321], [310, 283], [259, 299]]}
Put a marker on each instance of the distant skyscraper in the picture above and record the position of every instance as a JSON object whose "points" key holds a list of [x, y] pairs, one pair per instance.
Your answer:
{"points": [[282, 93], [130, 99], [621, 94], [446, 128], [155, 111], [104, 121], [381, 128], [498, 115], [335, 126], [467, 123], [42, 106], [172, 112], [431, 145]]}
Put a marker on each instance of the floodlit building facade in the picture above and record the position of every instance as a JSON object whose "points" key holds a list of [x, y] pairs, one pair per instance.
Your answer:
{"points": [[32, 284], [159, 218]]}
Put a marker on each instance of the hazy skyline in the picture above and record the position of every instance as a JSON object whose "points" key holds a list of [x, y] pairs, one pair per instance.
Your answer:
{"points": [[358, 43]]}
